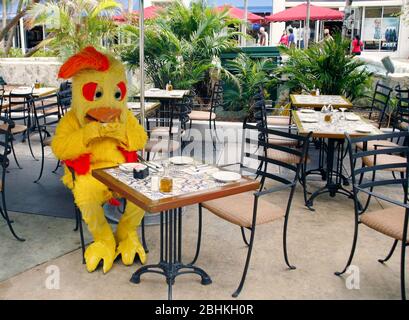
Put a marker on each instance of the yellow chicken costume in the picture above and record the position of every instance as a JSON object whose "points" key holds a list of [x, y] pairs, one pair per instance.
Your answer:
{"points": [[99, 131]]}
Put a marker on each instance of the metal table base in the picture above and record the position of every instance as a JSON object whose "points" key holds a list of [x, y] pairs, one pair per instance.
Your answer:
{"points": [[170, 264]]}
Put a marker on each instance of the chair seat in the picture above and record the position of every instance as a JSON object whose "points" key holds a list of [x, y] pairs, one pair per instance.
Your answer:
{"points": [[18, 128], [282, 141], [52, 110], [47, 141], [238, 209], [162, 145], [278, 120], [164, 132], [388, 221], [201, 115], [371, 144], [385, 159], [283, 156], [403, 125]]}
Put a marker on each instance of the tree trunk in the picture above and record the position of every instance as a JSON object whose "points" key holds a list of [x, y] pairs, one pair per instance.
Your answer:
{"points": [[4, 24], [347, 14], [12, 23], [12, 30]]}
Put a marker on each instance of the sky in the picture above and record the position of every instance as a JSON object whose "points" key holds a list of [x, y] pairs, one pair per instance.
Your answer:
{"points": [[261, 5]]}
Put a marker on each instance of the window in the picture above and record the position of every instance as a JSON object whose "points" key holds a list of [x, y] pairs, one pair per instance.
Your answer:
{"points": [[380, 28]]}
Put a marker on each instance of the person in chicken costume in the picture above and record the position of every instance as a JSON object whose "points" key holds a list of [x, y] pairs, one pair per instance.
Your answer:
{"points": [[99, 131]]}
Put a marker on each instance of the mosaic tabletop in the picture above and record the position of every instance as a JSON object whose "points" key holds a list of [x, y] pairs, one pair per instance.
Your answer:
{"points": [[335, 100], [186, 179], [314, 122]]}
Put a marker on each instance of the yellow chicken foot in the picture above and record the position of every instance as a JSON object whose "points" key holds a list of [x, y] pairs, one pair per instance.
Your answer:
{"points": [[103, 247], [127, 237]]}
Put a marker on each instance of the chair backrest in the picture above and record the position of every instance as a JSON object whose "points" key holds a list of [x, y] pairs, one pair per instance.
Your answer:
{"points": [[255, 148], [402, 111], [380, 101], [65, 96], [19, 106], [47, 111], [217, 96], [5, 147], [365, 186], [182, 109]]}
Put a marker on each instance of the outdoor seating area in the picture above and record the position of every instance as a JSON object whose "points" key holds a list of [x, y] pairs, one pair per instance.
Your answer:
{"points": [[151, 175]]}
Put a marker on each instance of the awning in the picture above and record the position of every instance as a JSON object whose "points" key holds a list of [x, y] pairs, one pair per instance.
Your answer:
{"points": [[239, 13], [149, 12], [300, 13]]}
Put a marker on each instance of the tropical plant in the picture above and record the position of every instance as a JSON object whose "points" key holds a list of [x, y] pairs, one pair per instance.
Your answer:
{"points": [[327, 66], [182, 45], [74, 24], [249, 76], [8, 28]]}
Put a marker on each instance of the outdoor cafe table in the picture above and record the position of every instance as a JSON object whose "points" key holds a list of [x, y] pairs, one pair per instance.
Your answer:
{"points": [[189, 187], [29, 91], [164, 95], [135, 107], [334, 134], [317, 102], [166, 98]]}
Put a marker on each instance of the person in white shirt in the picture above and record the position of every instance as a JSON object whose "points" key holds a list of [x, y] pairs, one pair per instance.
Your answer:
{"points": [[262, 37]]}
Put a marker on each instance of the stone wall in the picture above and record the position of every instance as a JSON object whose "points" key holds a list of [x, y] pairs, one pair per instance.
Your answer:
{"points": [[25, 71]]}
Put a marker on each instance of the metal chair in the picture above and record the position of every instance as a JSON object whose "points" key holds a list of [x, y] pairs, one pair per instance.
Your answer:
{"points": [[380, 103], [247, 210], [65, 96], [170, 127], [19, 110], [47, 113], [208, 112], [391, 221], [6, 137]]}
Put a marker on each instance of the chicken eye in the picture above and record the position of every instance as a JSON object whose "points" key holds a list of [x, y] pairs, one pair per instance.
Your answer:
{"points": [[120, 91], [92, 91], [118, 94]]}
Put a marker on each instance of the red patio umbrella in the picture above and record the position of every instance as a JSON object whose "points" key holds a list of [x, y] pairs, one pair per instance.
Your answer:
{"points": [[149, 12], [239, 13], [300, 13]]}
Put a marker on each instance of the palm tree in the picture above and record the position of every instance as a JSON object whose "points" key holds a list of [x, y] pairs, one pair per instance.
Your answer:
{"points": [[182, 45], [9, 28], [74, 24]]}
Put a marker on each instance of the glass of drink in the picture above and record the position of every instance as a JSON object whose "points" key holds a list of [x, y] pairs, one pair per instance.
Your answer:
{"points": [[166, 181]]}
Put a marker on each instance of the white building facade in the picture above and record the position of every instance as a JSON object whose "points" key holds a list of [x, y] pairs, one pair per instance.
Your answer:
{"points": [[382, 25]]}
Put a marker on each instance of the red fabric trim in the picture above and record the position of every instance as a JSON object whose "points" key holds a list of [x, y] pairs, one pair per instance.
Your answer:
{"points": [[130, 156], [81, 165], [114, 202], [89, 58]]}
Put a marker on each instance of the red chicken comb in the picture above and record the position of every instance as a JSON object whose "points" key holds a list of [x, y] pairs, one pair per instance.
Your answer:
{"points": [[88, 58]]}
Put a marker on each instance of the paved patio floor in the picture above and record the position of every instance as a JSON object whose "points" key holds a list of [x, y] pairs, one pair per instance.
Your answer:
{"points": [[318, 242]]}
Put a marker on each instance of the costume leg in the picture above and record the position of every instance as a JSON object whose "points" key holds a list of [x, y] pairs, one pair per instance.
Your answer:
{"points": [[126, 236], [89, 196], [104, 241]]}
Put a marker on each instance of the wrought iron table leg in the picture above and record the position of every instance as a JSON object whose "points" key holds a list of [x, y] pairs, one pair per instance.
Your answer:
{"points": [[170, 264], [334, 177]]}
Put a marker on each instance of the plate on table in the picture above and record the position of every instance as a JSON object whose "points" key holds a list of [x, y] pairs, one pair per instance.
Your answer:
{"points": [[128, 167], [174, 94], [181, 160], [309, 120], [352, 117], [154, 89], [364, 129], [226, 176], [307, 111]]}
